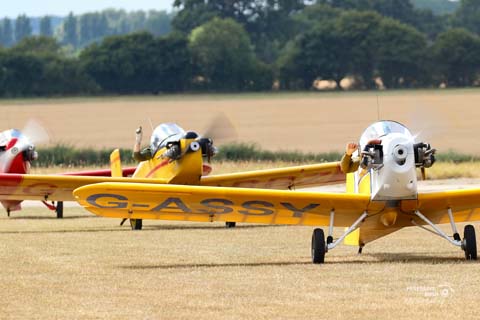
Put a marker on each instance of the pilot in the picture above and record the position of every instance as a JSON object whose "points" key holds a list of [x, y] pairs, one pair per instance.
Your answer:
{"points": [[349, 164], [141, 154]]}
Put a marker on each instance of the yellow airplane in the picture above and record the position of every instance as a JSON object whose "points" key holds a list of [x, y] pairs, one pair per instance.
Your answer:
{"points": [[177, 157], [381, 198]]}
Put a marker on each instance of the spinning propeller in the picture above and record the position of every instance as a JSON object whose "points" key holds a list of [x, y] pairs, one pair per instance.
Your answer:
{"points": [[18, 147]]}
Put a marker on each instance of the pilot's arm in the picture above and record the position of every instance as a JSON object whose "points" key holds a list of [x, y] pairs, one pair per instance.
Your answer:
{"points": [[140, 155], [349, 164]]}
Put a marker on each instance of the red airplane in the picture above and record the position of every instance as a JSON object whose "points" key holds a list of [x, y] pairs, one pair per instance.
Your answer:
{"points": [[17, 152]]}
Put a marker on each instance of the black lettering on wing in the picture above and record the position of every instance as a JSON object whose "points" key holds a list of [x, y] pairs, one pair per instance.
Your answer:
{"points": [[257, 208]]}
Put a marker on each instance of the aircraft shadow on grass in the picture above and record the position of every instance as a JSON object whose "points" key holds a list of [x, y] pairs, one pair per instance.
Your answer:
{"points": [[214, 265], [383, 258]]}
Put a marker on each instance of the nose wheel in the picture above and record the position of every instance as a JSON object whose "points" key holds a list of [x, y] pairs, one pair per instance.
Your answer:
{"points": [[469, 244]]}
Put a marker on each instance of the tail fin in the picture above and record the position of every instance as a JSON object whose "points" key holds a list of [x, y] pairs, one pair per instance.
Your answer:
{"points": [[115, 164]]}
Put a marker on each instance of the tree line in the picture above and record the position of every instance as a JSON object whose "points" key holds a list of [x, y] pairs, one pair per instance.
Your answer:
{"points": [[79, 31], [251, 46]]}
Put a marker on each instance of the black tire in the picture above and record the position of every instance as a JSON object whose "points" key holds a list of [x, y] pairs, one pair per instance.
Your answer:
{"points": [[318, 246], [470, 242], [230, 224], [136, 224], [59, 209]]}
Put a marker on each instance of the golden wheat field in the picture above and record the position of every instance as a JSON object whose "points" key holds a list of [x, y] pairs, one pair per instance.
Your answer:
{"points": [[85, 267], [316, 122]]}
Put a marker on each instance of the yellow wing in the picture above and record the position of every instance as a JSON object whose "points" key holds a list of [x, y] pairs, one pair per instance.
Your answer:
{"points": [[51, 187], [195, 203], [281, 178], [465, 205]]}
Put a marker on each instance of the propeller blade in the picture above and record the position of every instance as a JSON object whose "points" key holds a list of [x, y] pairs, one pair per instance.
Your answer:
{"points": [[221, 129], [35, 133]]}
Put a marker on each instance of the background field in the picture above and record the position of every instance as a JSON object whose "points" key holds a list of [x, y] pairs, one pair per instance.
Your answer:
{"points": [[88, 267], [317, 122]]}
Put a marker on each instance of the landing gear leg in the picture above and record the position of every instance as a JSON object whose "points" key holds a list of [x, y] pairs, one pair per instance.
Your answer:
{"points": [[8, 212], [319, 248], [469, 244]]}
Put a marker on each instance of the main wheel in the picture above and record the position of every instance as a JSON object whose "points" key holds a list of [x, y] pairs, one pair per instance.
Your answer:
{"points": [[318, 246], [470, 242], [230, 224], [59, 209], [136, 224]]}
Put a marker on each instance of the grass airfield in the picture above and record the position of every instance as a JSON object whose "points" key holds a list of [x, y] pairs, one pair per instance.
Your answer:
{"points": [[85, 267], [89, 267]]}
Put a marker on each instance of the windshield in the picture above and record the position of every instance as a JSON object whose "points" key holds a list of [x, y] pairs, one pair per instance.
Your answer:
{"points": [[164, 133], [382, 128]]}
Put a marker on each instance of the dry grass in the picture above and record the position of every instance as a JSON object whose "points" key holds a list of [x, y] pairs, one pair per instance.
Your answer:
{"points": [[316, 122], [88, 267], [450, 170]]}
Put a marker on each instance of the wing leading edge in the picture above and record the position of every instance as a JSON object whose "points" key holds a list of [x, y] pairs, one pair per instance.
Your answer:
{"points": [[465, 205], [280, 178], [52, 187]]}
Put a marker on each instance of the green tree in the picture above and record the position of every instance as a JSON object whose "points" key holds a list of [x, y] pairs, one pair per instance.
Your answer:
{"points": [[401, 54], [158, 22], [6, 33], [268, 23], [138, 63], [317, 54], [38, 45], [46, 26], [22, 74], [137, 20], [402, 10], [468, 15], [358, 31], [93, 27], [457, 56], [22, 27], [70, 35], [222, 54]]}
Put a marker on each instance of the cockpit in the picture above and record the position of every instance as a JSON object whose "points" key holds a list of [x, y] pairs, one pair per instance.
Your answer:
{"points": [[165, 133]]}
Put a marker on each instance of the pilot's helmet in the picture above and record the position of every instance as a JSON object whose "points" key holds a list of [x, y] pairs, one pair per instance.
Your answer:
{"points": [[164, 133]]}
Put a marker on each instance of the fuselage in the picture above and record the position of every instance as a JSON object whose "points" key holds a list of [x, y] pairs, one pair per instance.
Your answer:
{"points": [[388, 174]]}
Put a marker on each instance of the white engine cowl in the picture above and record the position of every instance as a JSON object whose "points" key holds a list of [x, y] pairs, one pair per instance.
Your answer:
{"points": [[396, 178]]}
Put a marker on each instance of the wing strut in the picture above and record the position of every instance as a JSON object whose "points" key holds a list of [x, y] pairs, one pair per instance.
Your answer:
{"points": [[439, 231], [348, 231]]}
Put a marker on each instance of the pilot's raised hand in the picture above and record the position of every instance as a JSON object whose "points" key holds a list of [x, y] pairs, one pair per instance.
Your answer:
{"points": [[138, 135], [351, 148]]}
